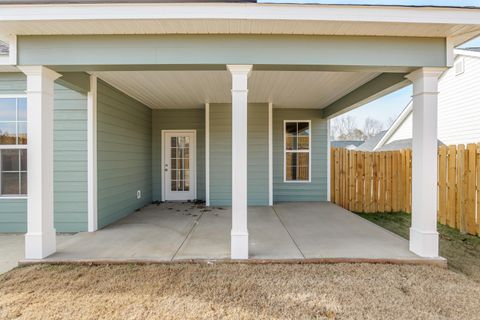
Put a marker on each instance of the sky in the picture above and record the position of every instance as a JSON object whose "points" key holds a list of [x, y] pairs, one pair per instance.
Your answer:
{"points": [[389, 106]]}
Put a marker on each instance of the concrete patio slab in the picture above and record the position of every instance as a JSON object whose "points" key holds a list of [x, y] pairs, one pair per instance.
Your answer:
{"points": [[210, 238], [295, 232], [268, 237], [324, 230], [12, 249], [155, 232]]}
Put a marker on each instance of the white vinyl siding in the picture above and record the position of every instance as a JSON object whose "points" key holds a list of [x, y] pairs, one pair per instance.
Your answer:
{"points": [[404, 131], [458, 106]]}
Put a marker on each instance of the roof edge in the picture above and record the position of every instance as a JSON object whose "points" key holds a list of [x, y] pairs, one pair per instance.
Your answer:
{"points": [[403, 115]]}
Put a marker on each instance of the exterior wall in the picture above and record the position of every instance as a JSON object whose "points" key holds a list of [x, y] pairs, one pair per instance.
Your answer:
{"points": [[458, 107], [316, 190], [177, 119], [404, 130], [124, 153], [459, 104], [70, 161], [221, 154], [257, 154]]}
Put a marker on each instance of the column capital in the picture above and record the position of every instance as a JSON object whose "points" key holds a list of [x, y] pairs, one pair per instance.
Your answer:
{"points": [[426, 72], [40, 71], [240, 69]]}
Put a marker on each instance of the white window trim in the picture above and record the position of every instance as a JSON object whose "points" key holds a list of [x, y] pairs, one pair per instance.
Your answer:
{"points": [[13, 146], [305, 151]]}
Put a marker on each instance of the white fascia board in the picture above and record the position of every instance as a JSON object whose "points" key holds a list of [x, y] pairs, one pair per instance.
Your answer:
{"points": [[249, 11], [468, 53], [398, 122]]}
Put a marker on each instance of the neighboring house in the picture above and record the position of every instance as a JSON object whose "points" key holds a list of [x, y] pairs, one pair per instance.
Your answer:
{"points": [[222, 102], [458, 106], [370, 143], [347, 144]]}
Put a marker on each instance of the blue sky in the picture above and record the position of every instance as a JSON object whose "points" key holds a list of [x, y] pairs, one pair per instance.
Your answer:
{"points": [[391, 105]]}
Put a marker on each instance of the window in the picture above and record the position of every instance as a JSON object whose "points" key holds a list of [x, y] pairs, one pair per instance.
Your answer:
{"points": [[13, 146], [459, 66], [297, 151]]}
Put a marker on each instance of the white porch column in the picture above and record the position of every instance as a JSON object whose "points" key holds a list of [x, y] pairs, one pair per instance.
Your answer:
{"points": [[239, 235], [423, 232], [40, 237]]}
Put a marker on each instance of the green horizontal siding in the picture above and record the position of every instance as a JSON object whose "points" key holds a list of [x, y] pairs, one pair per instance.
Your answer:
{"points": [[316, 190], [70, 161], [13, 215], [263, 51], [257, 154], [178, 119], [124, 154], [221, 154]]}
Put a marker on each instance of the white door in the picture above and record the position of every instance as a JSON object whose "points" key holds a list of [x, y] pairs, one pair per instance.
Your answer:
{"points": [[179, 169]]}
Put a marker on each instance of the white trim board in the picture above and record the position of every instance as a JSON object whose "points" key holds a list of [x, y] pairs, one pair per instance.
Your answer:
{"points": [[270, 154], [92, 155], [207, 154], [462, 24], [247, 11]]}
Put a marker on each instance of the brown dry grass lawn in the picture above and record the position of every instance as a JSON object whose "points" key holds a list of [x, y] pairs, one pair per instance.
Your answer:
{"points": [[237, 291]]}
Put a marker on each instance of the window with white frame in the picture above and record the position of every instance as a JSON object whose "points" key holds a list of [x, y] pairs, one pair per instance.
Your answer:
{"points": [[297, 150], [13, 146]]}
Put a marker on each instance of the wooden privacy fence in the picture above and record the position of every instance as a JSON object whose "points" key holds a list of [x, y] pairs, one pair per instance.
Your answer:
{"points": [[382, 182]]}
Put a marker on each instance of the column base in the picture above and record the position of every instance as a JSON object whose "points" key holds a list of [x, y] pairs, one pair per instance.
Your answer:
{"points": [[424, 244], [40, 245], [239, 245]]}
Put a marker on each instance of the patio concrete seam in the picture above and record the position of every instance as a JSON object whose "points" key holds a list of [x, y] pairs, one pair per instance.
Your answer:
{"points": [[195, 224], [286, 229]]}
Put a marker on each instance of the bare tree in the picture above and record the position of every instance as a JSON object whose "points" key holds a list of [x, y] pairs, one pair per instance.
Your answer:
{"points": [[372, 127], [390, 121], [343, 127]]}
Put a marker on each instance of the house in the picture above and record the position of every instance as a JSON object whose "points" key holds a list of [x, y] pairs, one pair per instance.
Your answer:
{"points": [[376, 143], [458, 107], [224, 101]]}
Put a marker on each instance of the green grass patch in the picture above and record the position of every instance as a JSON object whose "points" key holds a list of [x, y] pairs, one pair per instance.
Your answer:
{"points": [[461, 250]]}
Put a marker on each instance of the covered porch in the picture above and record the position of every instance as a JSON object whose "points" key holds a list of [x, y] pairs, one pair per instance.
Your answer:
{"points": [[305, 231], [246, 92]]}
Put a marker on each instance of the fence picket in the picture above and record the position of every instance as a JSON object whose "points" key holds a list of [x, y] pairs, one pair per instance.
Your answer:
{"points": [[442, 185], [382, 184], [470, 183], [374, 205], [452, 187], [460, 220]]}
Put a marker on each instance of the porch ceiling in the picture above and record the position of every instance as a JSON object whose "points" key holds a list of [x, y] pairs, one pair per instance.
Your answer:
{"points": [[192, 89]]}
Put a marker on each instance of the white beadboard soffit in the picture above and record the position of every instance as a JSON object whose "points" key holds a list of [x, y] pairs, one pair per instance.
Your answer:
{"points": [[192, 89]]}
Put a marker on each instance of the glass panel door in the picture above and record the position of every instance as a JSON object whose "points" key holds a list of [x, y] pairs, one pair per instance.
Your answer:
{"points": [[178, 165]]}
